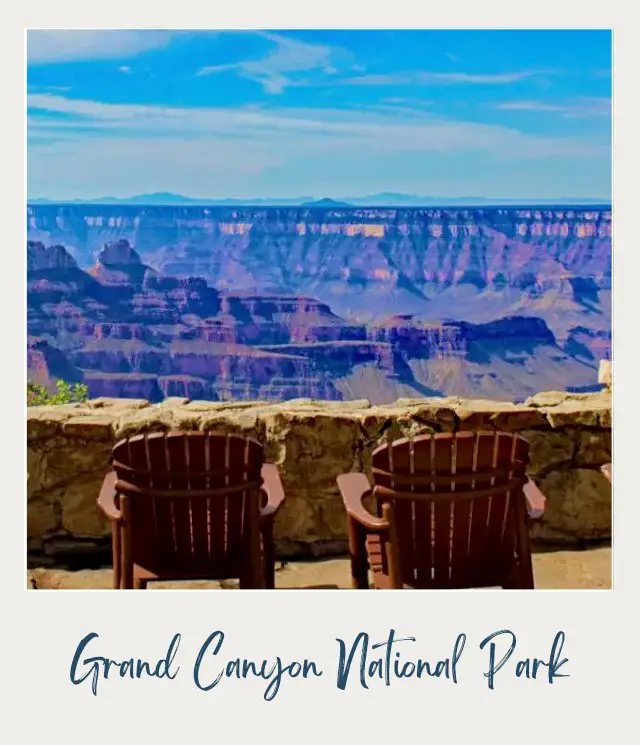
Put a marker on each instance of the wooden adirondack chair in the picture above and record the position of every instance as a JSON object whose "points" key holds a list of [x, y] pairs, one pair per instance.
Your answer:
{"points": [[451, 513], [191, 505]]}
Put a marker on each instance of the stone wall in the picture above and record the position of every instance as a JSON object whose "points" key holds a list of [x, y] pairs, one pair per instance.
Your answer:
{"points": [[313, 442]]}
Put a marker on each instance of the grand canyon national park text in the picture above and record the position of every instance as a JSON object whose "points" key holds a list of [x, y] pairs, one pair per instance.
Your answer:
{"points": [[360, 661]]}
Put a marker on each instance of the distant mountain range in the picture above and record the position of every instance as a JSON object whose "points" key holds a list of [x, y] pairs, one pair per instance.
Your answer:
{"points": [[384, 199], [327, 203]]}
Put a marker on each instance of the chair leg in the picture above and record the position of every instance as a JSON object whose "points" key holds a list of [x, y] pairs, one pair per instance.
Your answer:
{"points": [[139, 584], [358, 554], [125, 536], [526, 573], [244, 578], [116, 555], [512, 579], [389, 545], [126, 581], [520, 576], [268, 557], [252, 576]]}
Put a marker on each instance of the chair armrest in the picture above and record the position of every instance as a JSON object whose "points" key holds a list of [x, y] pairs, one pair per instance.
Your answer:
{"points": [[535, 500], [107, 498], [353, 487], [607, 470], [273, 489]]}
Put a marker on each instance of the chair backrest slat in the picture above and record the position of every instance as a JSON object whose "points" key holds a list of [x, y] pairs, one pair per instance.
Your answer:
{"points": [[238, 504], [442, 461], [464, 459], [449, 541], [192, 497], [200, 510], [501, 522], [484, 446]]}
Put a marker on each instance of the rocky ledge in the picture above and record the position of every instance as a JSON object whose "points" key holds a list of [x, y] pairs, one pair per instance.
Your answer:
{"points": [[313, 442]]}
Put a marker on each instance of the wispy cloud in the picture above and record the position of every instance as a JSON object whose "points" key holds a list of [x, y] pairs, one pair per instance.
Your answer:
{"points": [[529, 106], [437, 78], [579, 109], [395, 106], [295, 131], [49, 88], [46, 46], [454, 78], [382, 79], [276, 71]]}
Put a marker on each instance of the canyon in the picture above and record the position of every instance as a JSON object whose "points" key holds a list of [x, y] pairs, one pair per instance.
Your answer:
{"points": [[253, 303]]}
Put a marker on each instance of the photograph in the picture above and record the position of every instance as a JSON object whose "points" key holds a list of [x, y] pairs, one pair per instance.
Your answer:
{"points": [[318, 309]]}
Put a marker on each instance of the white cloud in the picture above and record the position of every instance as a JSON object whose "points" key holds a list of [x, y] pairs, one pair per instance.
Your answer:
{"points": [[529, 106], [277, 70], [47, 46], [292, 132], [578, 109], [454, 78], [434, 78], [274, 70], [382, 79]]}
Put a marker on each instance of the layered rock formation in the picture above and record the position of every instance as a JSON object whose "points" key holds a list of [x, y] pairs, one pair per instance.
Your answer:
{"points": [[496, 245], [362, 262], [124, 330], [239, 303], [313, 442]]}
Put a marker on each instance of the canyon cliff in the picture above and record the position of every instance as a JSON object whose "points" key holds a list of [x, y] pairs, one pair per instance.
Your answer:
{"points": [[276, 303]]}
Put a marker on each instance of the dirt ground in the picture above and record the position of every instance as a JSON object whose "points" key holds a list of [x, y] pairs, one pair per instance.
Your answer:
{"points": [[558, 570]]}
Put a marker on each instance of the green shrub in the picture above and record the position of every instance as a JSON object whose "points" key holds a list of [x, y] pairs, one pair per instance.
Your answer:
{"points": [[38, 395]]}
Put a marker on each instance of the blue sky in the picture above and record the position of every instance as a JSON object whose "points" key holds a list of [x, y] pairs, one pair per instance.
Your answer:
{"points": [[241, 114]]}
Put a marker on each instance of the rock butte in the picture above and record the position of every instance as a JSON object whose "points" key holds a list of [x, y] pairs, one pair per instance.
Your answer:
{"points": [[313, 442]]}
